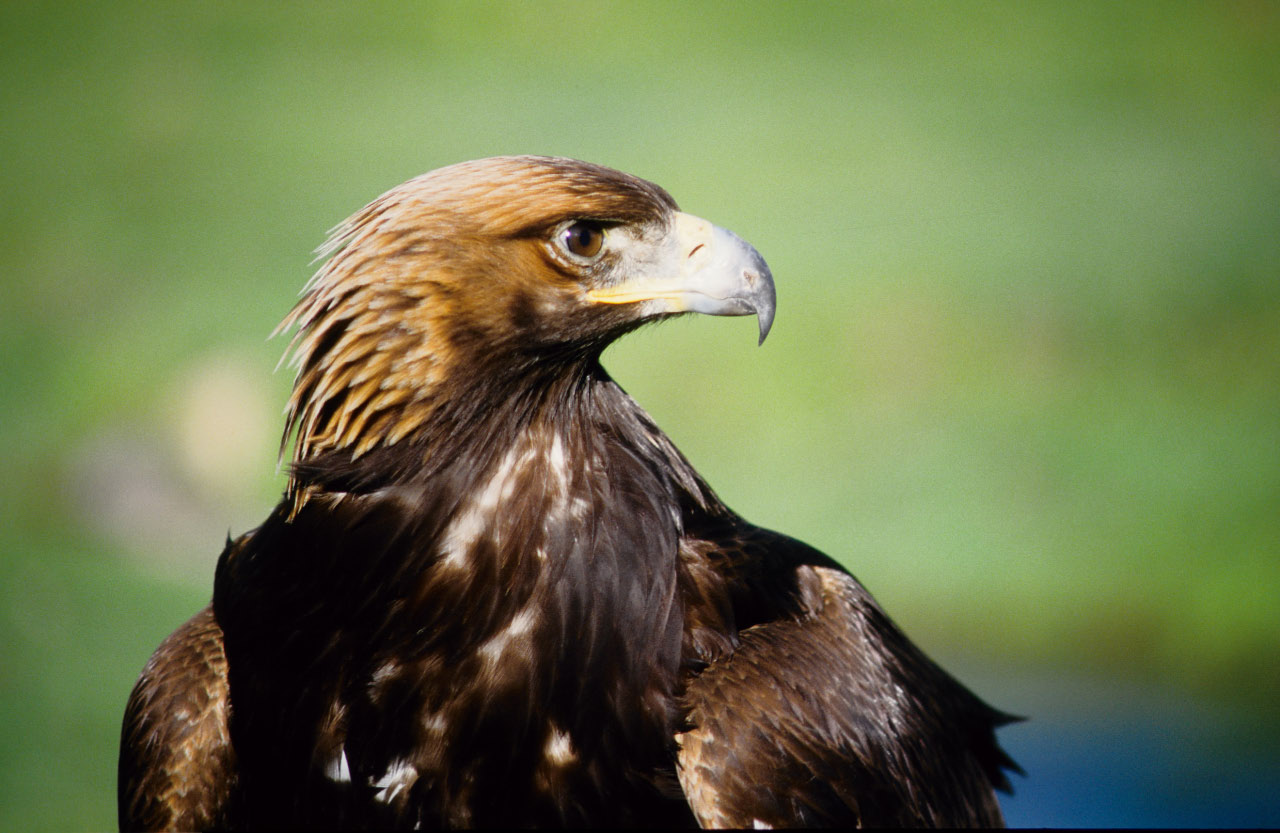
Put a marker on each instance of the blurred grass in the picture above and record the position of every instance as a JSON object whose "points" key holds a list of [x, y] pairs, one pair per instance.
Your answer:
{"points": [[1024, 380]]}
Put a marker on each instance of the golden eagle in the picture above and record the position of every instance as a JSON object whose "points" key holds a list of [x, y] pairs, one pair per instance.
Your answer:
{"points": [[495, 594]]}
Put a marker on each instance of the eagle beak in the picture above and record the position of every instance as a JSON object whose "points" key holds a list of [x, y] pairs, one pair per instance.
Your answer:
{"points": [[702, 268]]}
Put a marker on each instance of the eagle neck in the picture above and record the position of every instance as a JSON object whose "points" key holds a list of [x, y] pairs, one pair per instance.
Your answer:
{"points": [[532, 560], [571, 512]]}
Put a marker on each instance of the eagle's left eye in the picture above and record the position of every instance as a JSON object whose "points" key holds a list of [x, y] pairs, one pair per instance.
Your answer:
{"points": [[583, 238]]}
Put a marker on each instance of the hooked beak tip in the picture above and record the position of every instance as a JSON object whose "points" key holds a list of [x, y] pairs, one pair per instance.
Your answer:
{"points": [[765, 303]]}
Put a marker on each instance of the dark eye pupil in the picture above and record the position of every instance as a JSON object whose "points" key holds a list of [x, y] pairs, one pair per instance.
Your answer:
{"points": [[584, 239]]}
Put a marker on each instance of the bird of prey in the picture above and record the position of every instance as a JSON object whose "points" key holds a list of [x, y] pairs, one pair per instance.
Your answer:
{"points": [[494, 593]]}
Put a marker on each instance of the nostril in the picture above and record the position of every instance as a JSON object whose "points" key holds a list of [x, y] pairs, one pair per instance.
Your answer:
{"points": [[694, 250], [751, 277]]}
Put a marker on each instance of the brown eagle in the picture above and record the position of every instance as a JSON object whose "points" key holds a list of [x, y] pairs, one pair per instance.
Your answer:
{"points": [[495, 594]]}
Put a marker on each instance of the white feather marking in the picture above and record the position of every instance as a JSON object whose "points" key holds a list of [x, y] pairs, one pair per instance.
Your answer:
{"points": [[458, 538], [757, 824], [476, 517], [399, 776], [494, 647], [579, 508], [338, 769], [385, 671], [558, 465], [559, 749], [562, 506]]}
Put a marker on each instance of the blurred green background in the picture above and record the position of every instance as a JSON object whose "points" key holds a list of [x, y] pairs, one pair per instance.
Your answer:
{"points": [[1024, 378]]}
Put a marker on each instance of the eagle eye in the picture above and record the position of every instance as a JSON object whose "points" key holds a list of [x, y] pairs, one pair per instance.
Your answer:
{"points": [[583, 238]]}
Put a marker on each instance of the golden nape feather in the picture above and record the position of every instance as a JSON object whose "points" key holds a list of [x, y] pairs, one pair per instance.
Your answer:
{"points": [[495, 594]]}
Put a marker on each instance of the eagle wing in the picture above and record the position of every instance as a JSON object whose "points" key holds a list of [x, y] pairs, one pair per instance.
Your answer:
{"points": [[823, 713], [177, 769]]}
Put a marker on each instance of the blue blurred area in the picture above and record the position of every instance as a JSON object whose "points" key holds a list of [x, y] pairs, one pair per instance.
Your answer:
{"points": [[1117, 755]]}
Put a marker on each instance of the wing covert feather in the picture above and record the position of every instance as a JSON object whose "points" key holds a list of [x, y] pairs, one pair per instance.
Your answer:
{"points": [[177, 767], [825, 714]]}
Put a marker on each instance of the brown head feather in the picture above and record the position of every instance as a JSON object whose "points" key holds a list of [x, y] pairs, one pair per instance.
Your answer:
{"points": [[427, 280]]}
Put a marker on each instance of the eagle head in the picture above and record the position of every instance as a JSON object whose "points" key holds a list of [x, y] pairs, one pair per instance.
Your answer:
{"points": [[497, 272]]}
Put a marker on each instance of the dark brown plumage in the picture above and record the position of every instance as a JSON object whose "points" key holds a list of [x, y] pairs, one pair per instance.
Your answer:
{"points": [[496, 594]]}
